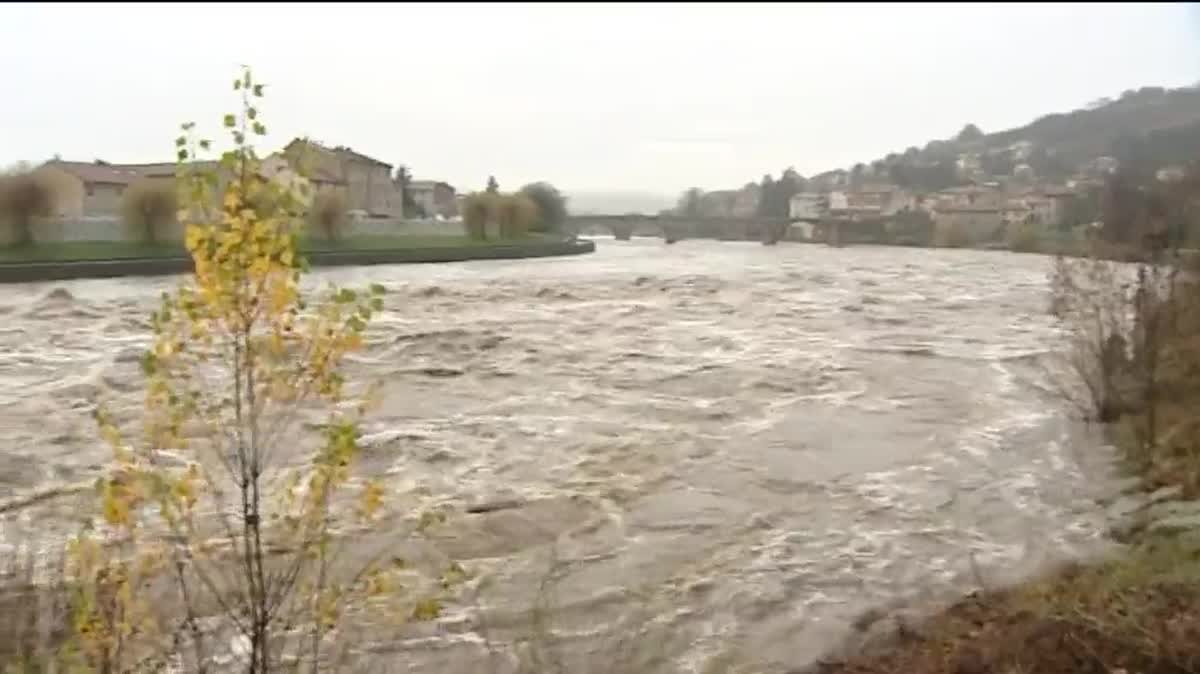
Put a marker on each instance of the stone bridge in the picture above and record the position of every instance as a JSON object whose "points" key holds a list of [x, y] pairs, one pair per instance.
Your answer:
{"points": [[672, 228]]}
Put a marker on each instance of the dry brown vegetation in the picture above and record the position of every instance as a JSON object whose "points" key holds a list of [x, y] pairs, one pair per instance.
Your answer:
{"points": [[1134, 333], [328, 215], [518, 213], [25, 196], [1022, 237], [148, 208], [1134, 614], [511, 215], [477, 212]]}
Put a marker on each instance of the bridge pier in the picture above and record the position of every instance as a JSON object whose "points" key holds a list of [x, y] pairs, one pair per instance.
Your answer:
{"points": [[671, 232], [833, 233], [773, 232]]}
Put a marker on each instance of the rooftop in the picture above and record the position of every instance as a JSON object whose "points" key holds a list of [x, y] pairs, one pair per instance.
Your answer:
{"points": [[102, 172], [969, 189], [97, 171], [1057, 192], [976, 208], [339, 150]]}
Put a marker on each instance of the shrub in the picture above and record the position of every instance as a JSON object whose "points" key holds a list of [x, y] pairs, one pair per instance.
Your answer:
{"points": [[773, 232], [672, 231], [328, 215], [1133, 349], [1088, 295], [24, 197], [623, 230], [518, 213], [234, 543], [551, 205], [1023, 237], [478, 210], [148, 207]]}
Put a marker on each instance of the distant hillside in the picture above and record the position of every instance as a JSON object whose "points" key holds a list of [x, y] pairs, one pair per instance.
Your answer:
{"points": [[582, 202], [1144, 130], [1108, 126]]}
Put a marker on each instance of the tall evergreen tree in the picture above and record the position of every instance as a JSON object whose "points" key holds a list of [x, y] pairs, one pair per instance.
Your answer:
{"points": [[766, 197]]}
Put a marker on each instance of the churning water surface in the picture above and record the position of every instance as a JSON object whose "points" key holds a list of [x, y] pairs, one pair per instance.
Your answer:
{"points": [[725, 451]]}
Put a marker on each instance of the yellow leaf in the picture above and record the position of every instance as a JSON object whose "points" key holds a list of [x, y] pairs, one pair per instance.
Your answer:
{"points": [[232, 201], [427, 609], [116, 505], [378, 583], [372, 499], [195, 236]]}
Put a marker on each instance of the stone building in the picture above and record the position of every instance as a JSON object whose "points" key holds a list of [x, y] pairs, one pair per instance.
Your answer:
{"points": [[368, 182], [434, 198], [978, 223], [88, 189]]}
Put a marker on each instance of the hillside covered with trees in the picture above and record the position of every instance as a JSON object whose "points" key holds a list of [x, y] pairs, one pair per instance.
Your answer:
{"points": [[1143, 130]]}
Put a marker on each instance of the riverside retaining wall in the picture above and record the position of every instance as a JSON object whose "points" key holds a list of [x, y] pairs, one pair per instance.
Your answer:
{"points": [[26, 272]]}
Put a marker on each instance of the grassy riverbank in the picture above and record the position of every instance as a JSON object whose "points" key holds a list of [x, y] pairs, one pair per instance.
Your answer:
{"points": [[86, 260], [73, 251], [1134, 613]]}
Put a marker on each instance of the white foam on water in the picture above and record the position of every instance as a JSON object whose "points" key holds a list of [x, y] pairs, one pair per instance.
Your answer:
{"points": [[916, 442]]}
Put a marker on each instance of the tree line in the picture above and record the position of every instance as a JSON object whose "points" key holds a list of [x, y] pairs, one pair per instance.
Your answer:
{"points": [[774, 196], [538, 208], [149, 208]]}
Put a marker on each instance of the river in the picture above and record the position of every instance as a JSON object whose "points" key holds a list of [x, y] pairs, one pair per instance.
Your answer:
{"points": [[730, 450]]}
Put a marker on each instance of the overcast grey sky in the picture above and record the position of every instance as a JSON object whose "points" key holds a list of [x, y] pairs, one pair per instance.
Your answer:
{"points": [[653, 97]]}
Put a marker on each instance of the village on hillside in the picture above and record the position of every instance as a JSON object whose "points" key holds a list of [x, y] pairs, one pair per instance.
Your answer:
{"points": [[980, 208], [1045, 180], [369, 188]]}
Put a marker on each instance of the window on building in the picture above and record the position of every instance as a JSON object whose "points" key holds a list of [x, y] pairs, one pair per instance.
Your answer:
{"points": [[90, 189]]}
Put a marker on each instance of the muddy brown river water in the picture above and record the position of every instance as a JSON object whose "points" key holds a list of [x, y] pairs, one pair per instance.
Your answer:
{"points": [[726, 452]]}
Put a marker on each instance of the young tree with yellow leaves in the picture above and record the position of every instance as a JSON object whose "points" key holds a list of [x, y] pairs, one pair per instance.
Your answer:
{"points": [[220, 520]]}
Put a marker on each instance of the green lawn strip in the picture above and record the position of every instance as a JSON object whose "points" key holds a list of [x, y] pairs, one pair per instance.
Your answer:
{"points": [[69, 251], [75, 251]]}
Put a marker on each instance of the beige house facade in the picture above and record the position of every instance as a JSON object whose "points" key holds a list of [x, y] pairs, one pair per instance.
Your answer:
{"points": [[809, 206], [368, 183], [88, 189]]}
